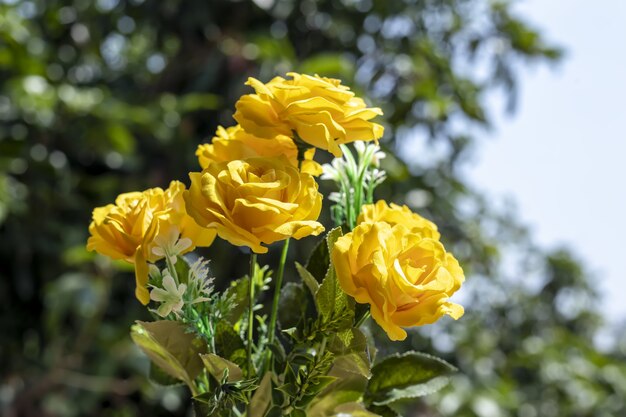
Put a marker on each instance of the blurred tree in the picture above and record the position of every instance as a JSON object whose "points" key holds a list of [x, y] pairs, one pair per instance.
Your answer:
{"points": [[101, 97]]}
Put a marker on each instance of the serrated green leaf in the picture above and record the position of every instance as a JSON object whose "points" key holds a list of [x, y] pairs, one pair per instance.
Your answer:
{"points": [[329, 296], [409, 375], [351, 353], [333, 304], [170, 347], [216, 366], [351, 369], [308, 279], [262, 398]]}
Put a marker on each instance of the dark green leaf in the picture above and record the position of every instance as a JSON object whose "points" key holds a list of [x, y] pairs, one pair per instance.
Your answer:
{"points": [[308, 279], [382, 411], [409, 375], [319, 261], [228, 343], [293, 305]]}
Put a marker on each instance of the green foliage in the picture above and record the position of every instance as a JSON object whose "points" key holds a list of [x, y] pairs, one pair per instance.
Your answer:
{"points": [[333, 305], [220, 369], [171, 348], [228, 343], [409, 375]]}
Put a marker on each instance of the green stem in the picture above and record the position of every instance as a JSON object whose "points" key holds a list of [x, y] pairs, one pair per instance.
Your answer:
{"points": [[365, 316], [274, 315], [251, 312], [171, 268]]}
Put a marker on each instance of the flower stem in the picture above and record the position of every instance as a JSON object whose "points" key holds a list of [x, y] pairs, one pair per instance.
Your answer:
{"points": [[363, 318], [274, 315], [171, 268], [251, 312]]}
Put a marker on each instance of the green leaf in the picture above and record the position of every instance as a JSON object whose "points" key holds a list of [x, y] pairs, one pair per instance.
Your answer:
{"points": [[308, 279], [171, 348], [262, 398], [228, 343], [353, 409], [238, 292], [409, 375], [332, 237], [351, 370], [160, 377], [351, 353], [201, 405], [333, 304], [182, 269], [218, 367], [319, 261], [293, 305], [383, 411]]}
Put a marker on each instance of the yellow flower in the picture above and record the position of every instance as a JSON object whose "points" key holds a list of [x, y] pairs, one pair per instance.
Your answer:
{"points": [[140, 227], [255, 201], [234, 143], [395, 214], [321, 111], [407, 278]]}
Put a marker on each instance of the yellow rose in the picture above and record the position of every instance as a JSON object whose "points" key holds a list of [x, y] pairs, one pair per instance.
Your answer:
{"points": [[321, 111], [405, 277], [138, 223], [255, 201], [395, 214], [234, 143]]}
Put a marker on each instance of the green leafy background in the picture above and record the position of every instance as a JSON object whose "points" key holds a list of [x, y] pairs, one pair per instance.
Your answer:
{"points": [[101, 97]]}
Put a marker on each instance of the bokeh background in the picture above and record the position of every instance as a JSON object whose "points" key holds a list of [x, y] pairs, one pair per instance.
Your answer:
{"points": [[107, 96]]}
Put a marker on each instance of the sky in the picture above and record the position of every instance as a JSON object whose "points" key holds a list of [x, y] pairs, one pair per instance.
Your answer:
{"points": [[561, 156]]}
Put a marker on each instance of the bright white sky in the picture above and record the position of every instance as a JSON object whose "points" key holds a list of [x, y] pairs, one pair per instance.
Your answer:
{"points": [[562, 156]]}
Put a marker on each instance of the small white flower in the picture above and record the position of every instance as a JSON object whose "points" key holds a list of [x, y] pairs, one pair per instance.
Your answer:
{"points": [[168, 244], [170, 296]]}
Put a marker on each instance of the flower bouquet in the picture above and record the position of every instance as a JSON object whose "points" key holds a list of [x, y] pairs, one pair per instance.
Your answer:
{"points": [[302, 352]]}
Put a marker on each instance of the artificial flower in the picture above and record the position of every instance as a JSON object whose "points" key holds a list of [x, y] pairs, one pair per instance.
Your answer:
{"points": [[234, 143], [402, 271], [170, 296], [319, 111], [255, 201], [141, 226]]}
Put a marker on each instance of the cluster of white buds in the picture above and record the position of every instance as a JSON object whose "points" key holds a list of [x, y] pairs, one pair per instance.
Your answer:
{"points": [[356, 179]]}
